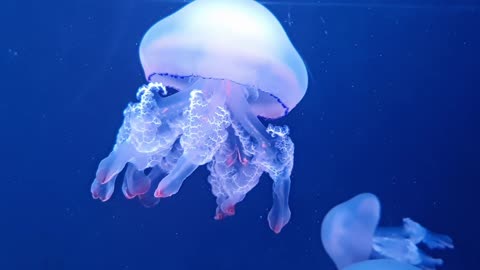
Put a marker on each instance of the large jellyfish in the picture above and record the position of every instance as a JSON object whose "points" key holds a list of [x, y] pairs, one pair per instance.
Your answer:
{"points": [[213, 68], [351, 236]]}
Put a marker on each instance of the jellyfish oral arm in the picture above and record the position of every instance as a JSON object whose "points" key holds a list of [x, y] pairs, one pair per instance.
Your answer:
{"points": [[430, 239], [113, 164], [204, 127], [103, 186], [401, 244], [280, 214], [272, 151], [416, 233], [240, 109], [172, 183], [144, 140], [136, 182], [213, 126]]}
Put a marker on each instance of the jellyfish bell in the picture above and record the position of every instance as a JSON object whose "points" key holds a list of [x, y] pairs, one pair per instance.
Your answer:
{"points": [[231, 61], [239, 41], [348, 229]]}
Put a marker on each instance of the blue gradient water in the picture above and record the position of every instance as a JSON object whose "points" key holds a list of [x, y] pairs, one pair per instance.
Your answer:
{"points": [[392, 108]]}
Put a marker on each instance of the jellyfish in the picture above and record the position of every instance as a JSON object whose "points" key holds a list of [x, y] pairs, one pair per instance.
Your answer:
{"points": [[351, 236], [216, 71]]}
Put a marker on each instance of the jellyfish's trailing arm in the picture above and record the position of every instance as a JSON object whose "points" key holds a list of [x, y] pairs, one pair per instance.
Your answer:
{"points": [[232, 173], [174, 135], [416, 233], [401, 244], [158, 172], [269, 148], [145, 139], [279, 166], [203, 133], [135, 182], [430, 239]]}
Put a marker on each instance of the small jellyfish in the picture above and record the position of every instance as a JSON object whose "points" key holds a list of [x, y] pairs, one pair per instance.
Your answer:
{"points": [[214, 67], [350, 235]]}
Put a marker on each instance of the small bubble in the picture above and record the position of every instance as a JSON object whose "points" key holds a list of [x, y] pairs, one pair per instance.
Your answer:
{"points": [[394, 180], [289, 20], [12, 52]]}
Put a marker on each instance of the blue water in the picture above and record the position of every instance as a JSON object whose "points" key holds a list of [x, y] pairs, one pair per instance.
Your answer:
{"points": [[392, 108]]}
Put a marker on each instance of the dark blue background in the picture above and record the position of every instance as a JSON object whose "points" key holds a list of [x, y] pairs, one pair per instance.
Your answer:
{"points": [[392, 108]]}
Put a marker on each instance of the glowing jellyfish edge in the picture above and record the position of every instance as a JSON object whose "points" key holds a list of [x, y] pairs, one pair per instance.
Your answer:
{"points": [[242, 65]]}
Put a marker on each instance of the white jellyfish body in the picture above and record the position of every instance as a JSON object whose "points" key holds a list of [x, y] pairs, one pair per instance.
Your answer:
{"points": [[230, 62], [236, 40], [350, 235]]}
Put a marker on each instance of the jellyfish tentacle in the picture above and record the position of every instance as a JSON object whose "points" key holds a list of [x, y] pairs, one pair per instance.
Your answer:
{"points": [[279, 165], [161, 169], [268, 148], [232, 175], [403, 250], [146, 125], [135, 183], [194, 133], [432, 240], [401, 244], [280, 213], [380, 264], [428, 262], [242, 113], [399, 249], [148, 198], [101, 191], [143, 137], [204, 131], [438, 241], [414, 231], [175, 104], [171, 183], [114, 163]]}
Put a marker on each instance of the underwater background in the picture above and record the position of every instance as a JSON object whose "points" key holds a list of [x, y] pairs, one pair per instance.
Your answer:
{"points": [[392, 108]]}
